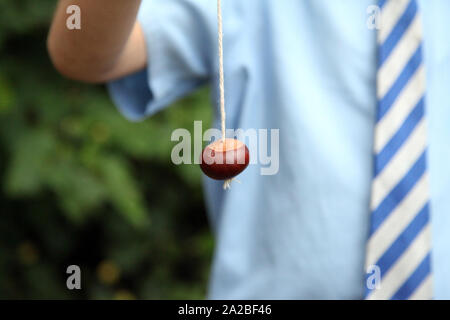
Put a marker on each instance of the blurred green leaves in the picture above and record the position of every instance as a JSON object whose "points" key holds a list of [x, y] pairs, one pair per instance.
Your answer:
{"points": [[19, 17], [82, 185], [6, 95], [29, 162]]}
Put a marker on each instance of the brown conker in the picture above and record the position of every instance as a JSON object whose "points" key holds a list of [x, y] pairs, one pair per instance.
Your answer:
{"points": [[224, 159]]}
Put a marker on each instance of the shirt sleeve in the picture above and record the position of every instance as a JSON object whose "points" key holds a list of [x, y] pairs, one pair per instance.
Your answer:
{"points": [[177, 41]]}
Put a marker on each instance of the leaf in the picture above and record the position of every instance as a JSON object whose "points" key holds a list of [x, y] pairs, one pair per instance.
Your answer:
{"points": [[123, 190], [7, 96], [78, 190], [31, 154]]}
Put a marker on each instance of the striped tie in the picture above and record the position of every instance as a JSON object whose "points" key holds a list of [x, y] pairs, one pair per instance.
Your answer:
{"points": [[400, 240]]}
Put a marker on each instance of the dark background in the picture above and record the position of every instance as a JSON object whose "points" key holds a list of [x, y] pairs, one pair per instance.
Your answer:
{"points": [[81, 185]]}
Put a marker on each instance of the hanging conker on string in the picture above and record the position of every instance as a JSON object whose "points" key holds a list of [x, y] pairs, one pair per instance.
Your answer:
{"points": [[224, 159]]}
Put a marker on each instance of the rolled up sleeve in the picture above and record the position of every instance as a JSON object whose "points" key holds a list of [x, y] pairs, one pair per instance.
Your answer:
{"points": [[179, 48]]}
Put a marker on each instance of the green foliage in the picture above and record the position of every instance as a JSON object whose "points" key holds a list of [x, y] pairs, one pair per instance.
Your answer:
{"points": [[82, 185]]}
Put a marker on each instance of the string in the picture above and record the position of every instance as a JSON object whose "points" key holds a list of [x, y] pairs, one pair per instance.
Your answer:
{"points": [[221, 77], [227, 183]]}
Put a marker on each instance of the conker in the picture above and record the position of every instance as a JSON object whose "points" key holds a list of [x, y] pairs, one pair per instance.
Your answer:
{"points": [[224, 159]]}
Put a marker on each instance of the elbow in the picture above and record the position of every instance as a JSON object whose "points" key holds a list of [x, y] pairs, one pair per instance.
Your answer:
{"points": [[73, 67]]}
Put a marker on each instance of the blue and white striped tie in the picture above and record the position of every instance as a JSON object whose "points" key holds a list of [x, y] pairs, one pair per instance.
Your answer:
{"points": [[400, 240]]}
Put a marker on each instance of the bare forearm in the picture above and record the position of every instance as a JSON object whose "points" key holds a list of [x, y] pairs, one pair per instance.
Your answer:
{"points": [[92, 53]]}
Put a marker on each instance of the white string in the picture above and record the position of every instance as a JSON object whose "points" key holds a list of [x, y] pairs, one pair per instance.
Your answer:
{"points": [[227, 183], [221, 77]]}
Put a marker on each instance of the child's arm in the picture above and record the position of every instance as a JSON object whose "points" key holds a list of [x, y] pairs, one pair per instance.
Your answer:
{"points": [[109, 45]]}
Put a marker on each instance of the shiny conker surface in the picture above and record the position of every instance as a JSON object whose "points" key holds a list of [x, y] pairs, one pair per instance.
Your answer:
{"points": [[224, 159]]}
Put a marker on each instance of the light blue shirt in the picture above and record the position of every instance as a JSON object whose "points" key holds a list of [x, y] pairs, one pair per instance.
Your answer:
{"points": [[307, 67]]}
